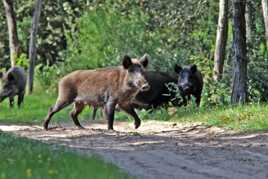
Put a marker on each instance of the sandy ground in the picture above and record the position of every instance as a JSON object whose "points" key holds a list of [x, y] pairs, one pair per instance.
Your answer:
{"points": [[159, 150]]}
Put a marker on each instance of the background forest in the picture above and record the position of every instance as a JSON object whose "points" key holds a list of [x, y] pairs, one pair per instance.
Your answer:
{"points": [[90, 34]]}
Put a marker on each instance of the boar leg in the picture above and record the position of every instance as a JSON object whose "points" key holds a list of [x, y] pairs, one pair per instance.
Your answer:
{"points": [[95, 109], [11, 101], [176, 102], [57, 107], [197, 100], [20, 99], [109, 113], [78, 108], [131, 111], [184, 100]]}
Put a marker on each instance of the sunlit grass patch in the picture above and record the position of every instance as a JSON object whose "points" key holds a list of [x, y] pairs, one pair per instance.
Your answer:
{"points": [[251, 117], [23, 158], [35, 109]]}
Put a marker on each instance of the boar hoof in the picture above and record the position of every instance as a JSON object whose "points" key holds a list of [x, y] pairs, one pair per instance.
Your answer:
{"points": [[81, 127], [50, 128], [110, 128], [45, 126], [137, 124]]}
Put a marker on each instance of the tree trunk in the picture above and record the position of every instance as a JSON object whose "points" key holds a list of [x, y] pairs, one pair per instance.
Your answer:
{"points": [[12, 31], [141, 2], [250, 17], [32, 46], [221, 40], [265, 17], [239, 81]]}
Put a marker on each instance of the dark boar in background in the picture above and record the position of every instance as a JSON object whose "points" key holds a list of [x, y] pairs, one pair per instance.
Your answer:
{"points": [[13, 84], [159, 93], [190, 83]]}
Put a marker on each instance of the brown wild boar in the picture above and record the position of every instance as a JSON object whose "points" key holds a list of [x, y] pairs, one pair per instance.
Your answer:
{"points": [[13, 84], [106, 87], [158, 95]]}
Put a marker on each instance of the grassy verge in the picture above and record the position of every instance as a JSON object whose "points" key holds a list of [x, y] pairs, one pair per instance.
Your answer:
{"points": [[246, 118], [35, 109], [251, 117], [23, 158]]}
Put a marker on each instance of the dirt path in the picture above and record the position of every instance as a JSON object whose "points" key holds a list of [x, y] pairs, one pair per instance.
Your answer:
{"points": [[164, 150]]}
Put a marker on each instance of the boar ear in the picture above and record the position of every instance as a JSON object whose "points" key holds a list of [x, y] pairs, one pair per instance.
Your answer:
{"points": [[177, 68], [193, 68], [144, 60], [126, 62]]}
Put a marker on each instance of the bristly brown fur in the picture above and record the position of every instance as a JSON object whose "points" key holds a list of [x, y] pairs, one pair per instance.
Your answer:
{"points": [[104, 87]]}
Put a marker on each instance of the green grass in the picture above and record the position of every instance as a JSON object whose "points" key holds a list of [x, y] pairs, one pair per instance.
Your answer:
{"points": [[35, 109], [246, 118], [23, 158], [252, 117]]}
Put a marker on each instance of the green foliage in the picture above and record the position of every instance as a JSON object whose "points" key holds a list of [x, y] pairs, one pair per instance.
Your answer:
{"points": [[215, 93], [22, 61], [57, 17], [258, 76], [105, 35], [23, 158], [48, 76]]}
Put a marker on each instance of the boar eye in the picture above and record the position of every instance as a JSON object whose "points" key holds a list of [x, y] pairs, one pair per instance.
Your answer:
{"points": [[131, 70], [130, 84]]}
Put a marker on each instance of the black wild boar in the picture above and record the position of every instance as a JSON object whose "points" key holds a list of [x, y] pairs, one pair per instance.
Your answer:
{"points": [[190, 82], [13, 84], [158, 94], [105, 87]]}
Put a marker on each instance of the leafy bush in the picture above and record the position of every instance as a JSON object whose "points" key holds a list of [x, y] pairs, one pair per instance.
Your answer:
{"points": [[258, 75], [215, 93], [105, 35], [22, 61], [48, 76]]}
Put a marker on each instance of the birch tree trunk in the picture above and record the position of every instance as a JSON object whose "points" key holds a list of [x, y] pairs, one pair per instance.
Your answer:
{"points": [[32, 46], [265, 17], [250, 20], [12, 31], [221, 40]]}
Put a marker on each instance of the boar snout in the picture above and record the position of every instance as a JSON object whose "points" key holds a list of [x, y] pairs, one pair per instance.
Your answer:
{"points": [[142, 84], [145, 87], [185, 87]]}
